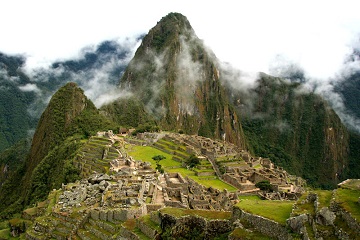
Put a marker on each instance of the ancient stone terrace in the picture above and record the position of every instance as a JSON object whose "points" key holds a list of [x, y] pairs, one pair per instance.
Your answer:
{"points": [[235, 166]]}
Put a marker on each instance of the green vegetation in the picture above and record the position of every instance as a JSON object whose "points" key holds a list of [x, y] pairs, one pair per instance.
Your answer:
{"points": [[353, 184], [265, 186], [348, 199], [192, 161], [69, 118], [157, 159], [278, 211], [147, 220], [247, 235], [144, 153], [5, 233], [214, 183], [324, 197], [293, 128], [303, 206], [14, 103], [56, 168]]}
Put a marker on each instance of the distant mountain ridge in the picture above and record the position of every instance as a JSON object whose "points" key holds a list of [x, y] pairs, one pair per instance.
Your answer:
{"points": [[24, 97]]}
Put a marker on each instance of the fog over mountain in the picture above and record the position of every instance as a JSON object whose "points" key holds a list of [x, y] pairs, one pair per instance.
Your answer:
{"points": [[311, 40]]}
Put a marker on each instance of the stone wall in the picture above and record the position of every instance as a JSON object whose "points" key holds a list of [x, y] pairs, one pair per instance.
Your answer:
{"points": [[118, 214], [256, 177], [346, 216], [127, 234], [183, 184], [147, 230], [263, 225], [209, 229], [153, 207], [232, 180], [202, 174]]}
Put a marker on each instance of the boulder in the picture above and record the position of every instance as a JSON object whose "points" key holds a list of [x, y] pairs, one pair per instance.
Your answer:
{"points": [[297, 223], [325, 217]]}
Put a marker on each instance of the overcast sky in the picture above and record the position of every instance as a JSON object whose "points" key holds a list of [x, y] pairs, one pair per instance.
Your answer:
{"points": [[251, 35]]}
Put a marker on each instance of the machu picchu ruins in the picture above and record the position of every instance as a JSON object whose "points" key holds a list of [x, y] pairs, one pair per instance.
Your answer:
{"points": [[116, 188]]}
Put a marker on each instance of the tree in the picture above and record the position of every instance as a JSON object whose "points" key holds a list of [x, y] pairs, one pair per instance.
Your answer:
{"points": [[192, 161], [265, 186], [157, 159]]}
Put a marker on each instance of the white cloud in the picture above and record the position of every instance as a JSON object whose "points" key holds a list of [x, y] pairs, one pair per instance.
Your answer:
{"points": [[30, 87]]}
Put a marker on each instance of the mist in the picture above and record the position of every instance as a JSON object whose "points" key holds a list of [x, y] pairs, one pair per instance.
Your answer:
{"points": [[96, 69]]}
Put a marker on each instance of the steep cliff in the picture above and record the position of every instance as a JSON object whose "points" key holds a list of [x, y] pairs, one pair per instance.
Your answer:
{"points": [[296, 129]]}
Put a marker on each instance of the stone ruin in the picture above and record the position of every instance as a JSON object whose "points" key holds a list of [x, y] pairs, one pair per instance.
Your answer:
{"points": [[243, 176], [135, 185]]}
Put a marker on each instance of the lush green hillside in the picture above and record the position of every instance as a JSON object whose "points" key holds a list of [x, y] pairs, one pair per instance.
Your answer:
{"points": [[297, 130], [14, 102], [69, 117]]}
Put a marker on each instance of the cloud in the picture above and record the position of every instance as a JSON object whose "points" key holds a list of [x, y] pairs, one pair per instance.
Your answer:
{"points": [[30, 87], [189, 74], [96, 69], [237, 79]]}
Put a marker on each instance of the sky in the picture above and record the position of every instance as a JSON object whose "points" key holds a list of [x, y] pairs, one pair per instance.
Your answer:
{"points": [[250, 35]]}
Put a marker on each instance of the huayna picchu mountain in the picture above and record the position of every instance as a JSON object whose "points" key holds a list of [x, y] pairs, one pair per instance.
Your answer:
{"points": [[177, 82]]}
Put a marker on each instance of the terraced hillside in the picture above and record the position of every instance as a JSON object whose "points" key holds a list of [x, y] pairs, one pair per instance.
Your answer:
{"points": [[176, 154], [97, 154]]}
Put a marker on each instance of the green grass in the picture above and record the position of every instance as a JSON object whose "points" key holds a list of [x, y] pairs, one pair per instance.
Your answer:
{"points": [[352, 184], [145, 153], [348, 199], [247, 235], [150, 223], [324, 197], [278, 211], [304, 208], [183, 171], [31, 211], [214, 183], [179, 212], [4, 224], [5, 233]]}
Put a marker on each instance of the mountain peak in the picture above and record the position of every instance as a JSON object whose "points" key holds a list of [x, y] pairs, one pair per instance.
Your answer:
{"points": [[167, 32], [177, 80]]}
